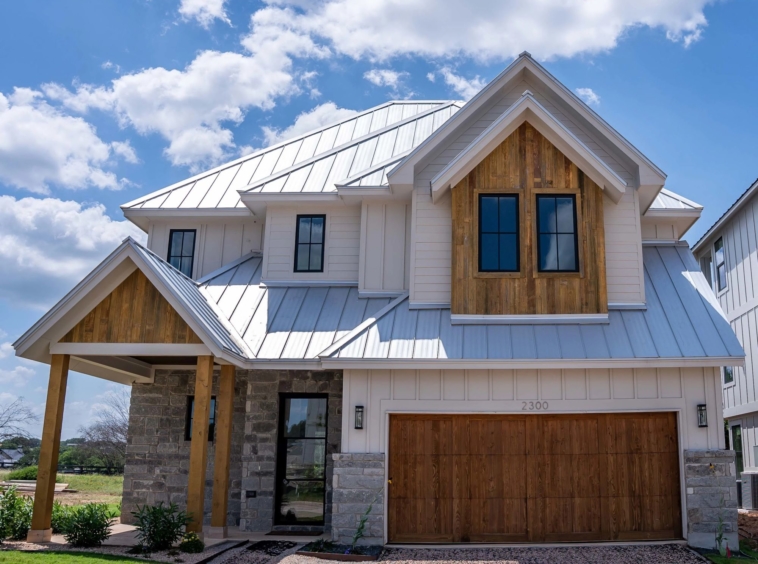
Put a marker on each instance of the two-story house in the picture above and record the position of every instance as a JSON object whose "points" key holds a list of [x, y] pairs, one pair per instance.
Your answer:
{"points": [[479, 319], [728, 255]]}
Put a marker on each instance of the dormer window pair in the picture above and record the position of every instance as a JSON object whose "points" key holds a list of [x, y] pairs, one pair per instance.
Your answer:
{"points": [[556, 233]]}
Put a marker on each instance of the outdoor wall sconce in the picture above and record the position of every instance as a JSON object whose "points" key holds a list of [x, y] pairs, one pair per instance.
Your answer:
{"points": [[359, 417], [702, 415]]}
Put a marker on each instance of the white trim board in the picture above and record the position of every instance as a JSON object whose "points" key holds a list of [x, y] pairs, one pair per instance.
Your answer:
{"points": [[129, 349], [546, 319]]}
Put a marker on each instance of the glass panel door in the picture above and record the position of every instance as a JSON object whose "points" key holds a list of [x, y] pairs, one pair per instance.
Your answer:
{"points": [[301, 460]]}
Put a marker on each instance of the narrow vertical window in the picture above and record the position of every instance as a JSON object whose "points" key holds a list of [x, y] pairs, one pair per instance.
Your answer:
{"points": [[718, 251], [309, 243], [190, 416], [498, 233], [728, 374], [181, 250], [557, 242], [706, 265]]}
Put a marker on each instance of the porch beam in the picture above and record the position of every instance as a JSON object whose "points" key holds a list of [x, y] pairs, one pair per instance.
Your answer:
{"points": [[47, 471], [223, 445], [199, 443]]}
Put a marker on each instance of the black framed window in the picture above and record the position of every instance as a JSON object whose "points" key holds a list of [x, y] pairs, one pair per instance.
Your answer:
{"points": [[191, 416], [301, 459], [181, 250], [706, 265], [728, 372], [309, 243], [498, 233], [557, 241], [718, 251]]}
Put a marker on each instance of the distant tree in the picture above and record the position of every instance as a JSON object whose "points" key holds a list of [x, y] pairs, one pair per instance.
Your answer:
{"points": [[105, 438], [14, 417]]}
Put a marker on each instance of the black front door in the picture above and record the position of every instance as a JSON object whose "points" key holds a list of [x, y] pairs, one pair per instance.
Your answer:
{"points": [[301, 460]]}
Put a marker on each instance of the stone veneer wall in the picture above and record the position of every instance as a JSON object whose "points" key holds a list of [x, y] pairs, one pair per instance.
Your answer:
{"points": [[711, 491], [259, 454], [157, 456], [358, 482]]}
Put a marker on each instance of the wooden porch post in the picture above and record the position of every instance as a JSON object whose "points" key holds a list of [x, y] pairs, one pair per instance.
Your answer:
{"points": [[199, 443], [223, 442], [48, 454]]}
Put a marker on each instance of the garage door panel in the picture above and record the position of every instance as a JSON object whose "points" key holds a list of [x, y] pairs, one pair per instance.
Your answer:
{"points": [[537, 478]]}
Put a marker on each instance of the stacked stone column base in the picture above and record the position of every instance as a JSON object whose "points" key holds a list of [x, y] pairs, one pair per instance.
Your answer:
{"points": [[358, 482]]}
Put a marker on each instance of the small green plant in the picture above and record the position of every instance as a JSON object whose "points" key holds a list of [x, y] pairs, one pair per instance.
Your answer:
{"points": [[159, 526], [720, 531], [60, 516], [192, 544], [27, 473], [15, 515], [88, 525], [361, 530]]}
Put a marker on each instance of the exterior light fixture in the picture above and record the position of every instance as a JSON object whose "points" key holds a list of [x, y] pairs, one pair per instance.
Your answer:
{"points": [[359, 417], [702, 415]]}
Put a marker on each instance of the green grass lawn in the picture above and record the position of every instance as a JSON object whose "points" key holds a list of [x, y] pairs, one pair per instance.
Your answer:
{"points": [[89, 487], [16, 557]]}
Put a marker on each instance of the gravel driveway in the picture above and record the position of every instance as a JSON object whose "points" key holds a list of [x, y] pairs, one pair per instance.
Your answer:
{"points": [[658, 554]]}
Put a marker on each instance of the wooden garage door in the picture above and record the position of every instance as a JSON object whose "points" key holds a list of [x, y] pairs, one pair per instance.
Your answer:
{"points": [[533, 478]]}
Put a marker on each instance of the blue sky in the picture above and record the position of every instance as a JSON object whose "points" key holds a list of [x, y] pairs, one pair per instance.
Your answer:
{"points": [[102, 101]]}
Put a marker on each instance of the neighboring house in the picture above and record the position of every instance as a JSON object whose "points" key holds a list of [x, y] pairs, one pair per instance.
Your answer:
{"points": [[9, 457], [728, 256], [480, 318]]}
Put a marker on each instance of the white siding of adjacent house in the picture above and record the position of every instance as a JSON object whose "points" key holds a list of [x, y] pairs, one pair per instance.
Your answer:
{"points": [[385, 246], [341, 246], [431, 248], [218, 242], [382, 392]]}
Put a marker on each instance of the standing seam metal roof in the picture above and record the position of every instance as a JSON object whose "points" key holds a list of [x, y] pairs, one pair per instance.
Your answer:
{"points": [[682, 320]]}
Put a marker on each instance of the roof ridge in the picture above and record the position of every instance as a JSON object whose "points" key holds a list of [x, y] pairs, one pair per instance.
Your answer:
{"points": [[372, 169], [333, 151], [228, 266], [263, 151]]}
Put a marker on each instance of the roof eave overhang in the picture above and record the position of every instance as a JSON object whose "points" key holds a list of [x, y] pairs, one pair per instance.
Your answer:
{"points": [[141, 217], [529, 109], [684, 219], [724, 219], [442, 364]]}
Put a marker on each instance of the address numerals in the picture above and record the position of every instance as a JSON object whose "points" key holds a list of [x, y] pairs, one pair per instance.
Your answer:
{"points": [[534, 405]]}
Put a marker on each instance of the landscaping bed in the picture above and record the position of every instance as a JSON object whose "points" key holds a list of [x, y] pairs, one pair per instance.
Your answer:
{"points": [[326, 550]]}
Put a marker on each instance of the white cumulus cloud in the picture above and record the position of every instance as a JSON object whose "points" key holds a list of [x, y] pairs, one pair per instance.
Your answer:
{"points": [[40, 146], [18, 376], [48, 245], [193, 108], [385, 77], [319, 116], [589, 96], [6, 349], [205, 12], [490, 29], [464, 87]]}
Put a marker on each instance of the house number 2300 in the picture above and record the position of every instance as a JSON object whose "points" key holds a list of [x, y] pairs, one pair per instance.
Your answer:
{"points": [[533, 405]]}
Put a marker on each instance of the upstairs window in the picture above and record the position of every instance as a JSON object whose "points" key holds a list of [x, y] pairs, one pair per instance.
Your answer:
{"points": [[309, 243], [498, 233], [706, 265], [728, 372], [557, 243], [181, 249], [718, 251]]}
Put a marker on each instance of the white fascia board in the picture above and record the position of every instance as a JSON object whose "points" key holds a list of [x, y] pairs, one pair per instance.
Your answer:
{"points": [[128, 349], [448, 364], [365, 325], [283, 364], [547, 319], [673, 213], [529, 109], [258, 198], [309, 283], [108, 368], [177, 213], [627, 306], [357, 193]]}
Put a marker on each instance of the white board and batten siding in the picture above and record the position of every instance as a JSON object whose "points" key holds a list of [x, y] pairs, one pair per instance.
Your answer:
{"points": [[385, 247], [382, 392], [431, 252], [740, 304], [217, 242], [341, 243]]}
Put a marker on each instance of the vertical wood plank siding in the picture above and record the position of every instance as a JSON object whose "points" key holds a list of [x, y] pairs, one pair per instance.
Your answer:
{"points": [[135, 312], [528, 164]]}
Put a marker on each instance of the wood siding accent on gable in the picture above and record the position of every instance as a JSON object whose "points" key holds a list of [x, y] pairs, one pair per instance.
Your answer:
{"points": [[528, 164], [135, 312]]}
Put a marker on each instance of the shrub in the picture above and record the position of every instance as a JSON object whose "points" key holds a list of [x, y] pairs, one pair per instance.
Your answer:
{"points": [[15, 515], [88, 525], [60, 517], [159, 526], [28, 473], [191, 543]]}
